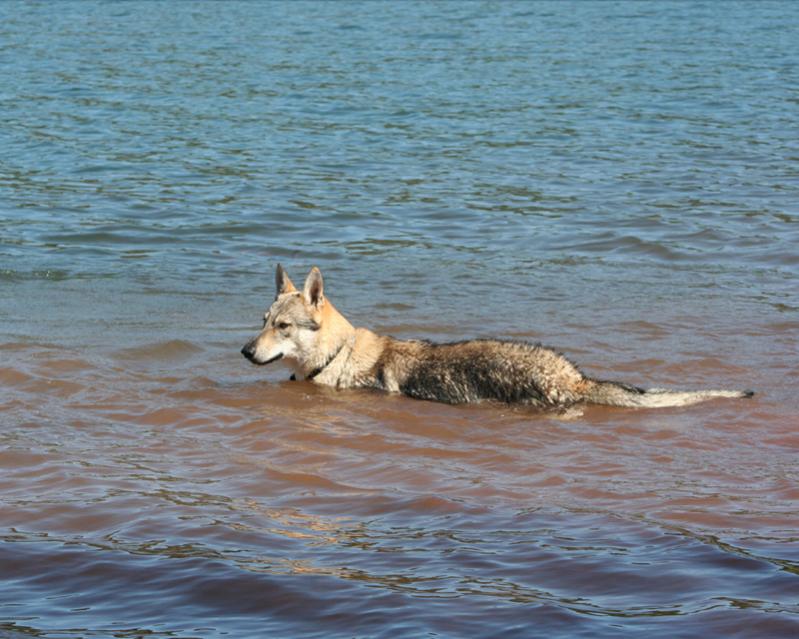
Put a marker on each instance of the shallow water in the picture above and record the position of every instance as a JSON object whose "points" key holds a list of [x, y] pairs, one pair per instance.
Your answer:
{"points": [[617, 180]]}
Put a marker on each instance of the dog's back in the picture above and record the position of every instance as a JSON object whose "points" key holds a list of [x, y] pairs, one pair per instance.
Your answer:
{"points": [[460, 372], [511, 372]]}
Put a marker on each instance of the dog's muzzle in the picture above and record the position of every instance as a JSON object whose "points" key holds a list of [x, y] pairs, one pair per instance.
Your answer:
{"points": [[249, 352]]}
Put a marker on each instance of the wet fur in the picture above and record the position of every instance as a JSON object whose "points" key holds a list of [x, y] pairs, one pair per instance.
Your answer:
{"points": [[306, 331], [470, 371]]}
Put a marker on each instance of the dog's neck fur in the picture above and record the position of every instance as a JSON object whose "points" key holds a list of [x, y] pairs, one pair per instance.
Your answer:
{"points": [[333, 348], [355, 362]]}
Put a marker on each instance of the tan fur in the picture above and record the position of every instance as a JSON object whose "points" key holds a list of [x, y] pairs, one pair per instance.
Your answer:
{"points": [[306, 332]]}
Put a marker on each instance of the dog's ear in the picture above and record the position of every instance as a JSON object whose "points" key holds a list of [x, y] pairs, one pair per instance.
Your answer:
{"points": [[314, 288], [282, 281]]}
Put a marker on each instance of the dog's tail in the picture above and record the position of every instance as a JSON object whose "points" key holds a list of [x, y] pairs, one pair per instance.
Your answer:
{"points": [[619, 394]]}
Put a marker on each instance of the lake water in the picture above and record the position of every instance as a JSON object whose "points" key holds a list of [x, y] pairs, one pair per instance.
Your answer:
{"points": [[618, 180]]}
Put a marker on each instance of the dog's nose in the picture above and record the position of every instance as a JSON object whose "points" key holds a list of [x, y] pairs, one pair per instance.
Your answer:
{"points": [[248, 351]]}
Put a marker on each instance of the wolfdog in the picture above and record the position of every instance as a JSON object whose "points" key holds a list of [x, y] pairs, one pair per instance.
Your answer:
{"points": [[306, 332]]}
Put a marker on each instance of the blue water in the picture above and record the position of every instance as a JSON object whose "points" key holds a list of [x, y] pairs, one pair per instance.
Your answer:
{"points": [[619, 179]]}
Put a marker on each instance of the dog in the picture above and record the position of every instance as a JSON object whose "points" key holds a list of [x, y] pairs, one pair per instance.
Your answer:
{"points": [[306, 332]]}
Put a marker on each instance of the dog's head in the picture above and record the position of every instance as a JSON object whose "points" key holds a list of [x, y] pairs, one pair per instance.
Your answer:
{"points": [[292, 324]]}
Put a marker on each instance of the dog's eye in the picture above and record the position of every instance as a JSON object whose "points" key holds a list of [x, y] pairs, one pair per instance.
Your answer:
{"points": [[283, 325]]}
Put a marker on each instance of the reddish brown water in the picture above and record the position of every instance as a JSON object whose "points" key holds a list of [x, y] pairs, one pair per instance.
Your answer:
{"points": [[188, 503]]}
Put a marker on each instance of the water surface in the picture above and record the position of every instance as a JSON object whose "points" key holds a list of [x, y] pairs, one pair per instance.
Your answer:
{"points": [[618, 180]]}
